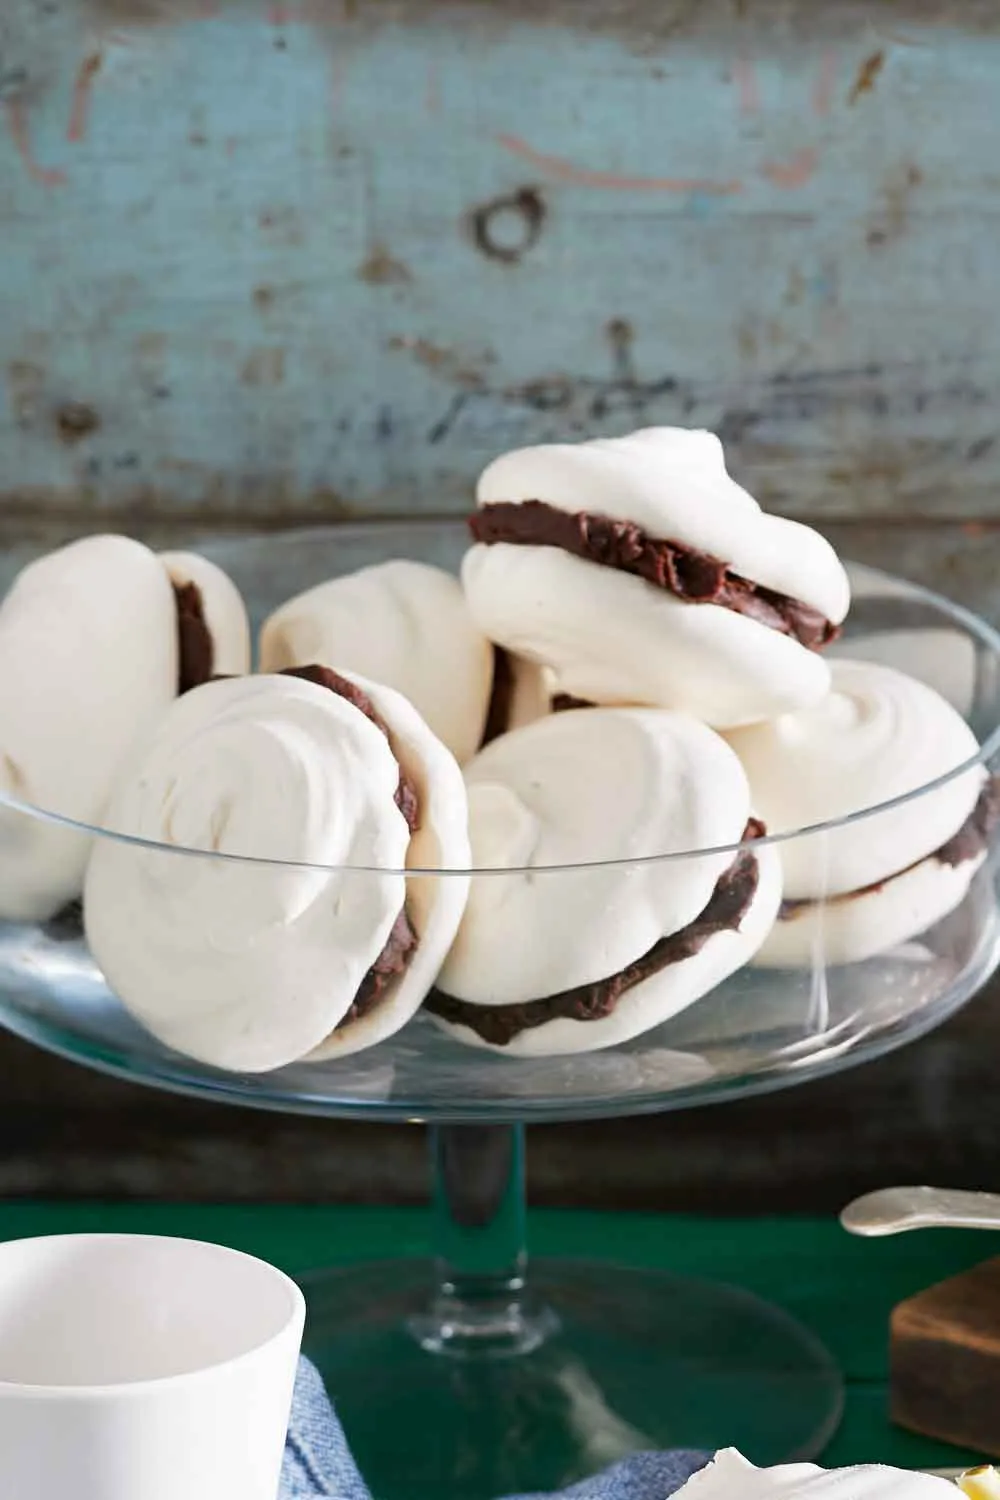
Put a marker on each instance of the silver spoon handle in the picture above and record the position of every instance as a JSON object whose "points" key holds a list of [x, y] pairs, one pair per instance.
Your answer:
{"points": [[893, 1210]]}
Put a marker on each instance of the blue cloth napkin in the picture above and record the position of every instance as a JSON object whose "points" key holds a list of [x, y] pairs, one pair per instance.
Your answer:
{"points": [[318, 1463]]}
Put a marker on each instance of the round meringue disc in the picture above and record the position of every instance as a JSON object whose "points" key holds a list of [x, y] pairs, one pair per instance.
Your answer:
{"points": [[620, 785], [247, 954], [88, 664], [401, 623], [849, 929], [877, 736]]}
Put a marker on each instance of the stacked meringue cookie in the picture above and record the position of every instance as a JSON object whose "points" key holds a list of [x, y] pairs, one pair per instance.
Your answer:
{"points": [[622, 696]]}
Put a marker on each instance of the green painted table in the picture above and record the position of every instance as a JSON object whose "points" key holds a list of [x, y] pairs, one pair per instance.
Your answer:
{"points": [[841, 1287]]}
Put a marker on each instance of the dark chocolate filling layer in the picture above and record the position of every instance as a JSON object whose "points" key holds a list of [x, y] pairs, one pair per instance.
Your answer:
{"points": [[696, 577], [402, 943], [391, 962], [968, 843], [406, 793], [196, 649], [501, 697], [727, 906]]}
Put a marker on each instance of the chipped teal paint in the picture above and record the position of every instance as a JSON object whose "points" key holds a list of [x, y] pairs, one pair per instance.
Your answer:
{"points": [[241, 269]]}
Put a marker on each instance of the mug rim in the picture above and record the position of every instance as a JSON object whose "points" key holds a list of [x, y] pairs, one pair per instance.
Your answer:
{"points": [[292, 1325]]}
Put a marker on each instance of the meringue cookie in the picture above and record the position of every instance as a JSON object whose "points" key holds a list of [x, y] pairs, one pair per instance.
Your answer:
{"points": [[866, 885], [607, 634], [730, 1477], [401, 623], [219, 607], [522, 692], [251, 959], [620, 785], [88, 664]]}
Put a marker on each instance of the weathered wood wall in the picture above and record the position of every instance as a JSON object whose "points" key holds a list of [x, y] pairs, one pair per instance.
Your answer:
{"points": [[264, 263]]}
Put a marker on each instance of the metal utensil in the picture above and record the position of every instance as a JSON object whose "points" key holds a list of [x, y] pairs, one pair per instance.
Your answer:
{"points": [[893, 1210]]}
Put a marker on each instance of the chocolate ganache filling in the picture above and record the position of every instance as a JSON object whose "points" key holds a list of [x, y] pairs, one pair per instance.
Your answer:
{"points": [[196, 649], [398, 951], [501, 697], [693, 576], [969, 842], [727, 906]]}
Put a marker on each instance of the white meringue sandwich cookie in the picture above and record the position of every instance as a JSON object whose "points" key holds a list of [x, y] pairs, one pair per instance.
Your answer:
{"points": [[609, 638], [612, 637], [874, 880], [857, 926], [401, 623], [730, 1477], [248, 954], [571, 813], [88, 665], [673, 483], [877, 736], [656, 999], [222, 607]]}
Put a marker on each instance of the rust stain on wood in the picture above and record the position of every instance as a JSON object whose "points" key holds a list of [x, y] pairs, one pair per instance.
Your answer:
{"points": [[449, 363], [83, 86], [575, 175], [381, 268], [890, 223], [796, 172], [76, 420], [264, 366], [867, 76], [19, 130]]}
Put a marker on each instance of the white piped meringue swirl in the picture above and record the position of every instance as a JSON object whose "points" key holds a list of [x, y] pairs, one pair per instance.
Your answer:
{"points": [[730, 1477], [244, 965], [878, 735]]}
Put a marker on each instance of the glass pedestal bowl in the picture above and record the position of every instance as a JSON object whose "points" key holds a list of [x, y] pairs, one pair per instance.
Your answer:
{"points": [[473, 1376]]}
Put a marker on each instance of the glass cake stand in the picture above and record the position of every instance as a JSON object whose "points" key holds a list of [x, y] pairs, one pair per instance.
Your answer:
{"points": [[470, 1377]]}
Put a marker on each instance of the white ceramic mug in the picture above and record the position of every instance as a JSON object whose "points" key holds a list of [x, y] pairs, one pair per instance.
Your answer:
{"points": [[135, 1367]]}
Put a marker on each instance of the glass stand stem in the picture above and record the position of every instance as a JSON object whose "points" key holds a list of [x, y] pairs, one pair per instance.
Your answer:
{"points": [[480, 1305]]}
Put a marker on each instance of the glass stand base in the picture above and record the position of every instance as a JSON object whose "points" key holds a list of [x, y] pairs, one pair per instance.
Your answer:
{"points": [[623, 1360]]}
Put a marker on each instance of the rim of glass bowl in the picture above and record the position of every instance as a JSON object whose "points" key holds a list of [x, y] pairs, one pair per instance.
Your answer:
{"points": [[974, 624]]}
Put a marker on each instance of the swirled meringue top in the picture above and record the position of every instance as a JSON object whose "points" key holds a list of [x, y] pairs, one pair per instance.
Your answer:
{"points": [[673, 483], [878, 735], [730, 1477]]}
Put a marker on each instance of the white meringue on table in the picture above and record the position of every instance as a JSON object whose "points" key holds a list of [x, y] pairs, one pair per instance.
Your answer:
{"points": [[401, 623], [573, 789], [865, 886], [222, 607], [247, 964], [612, 637], [88, 664], [730, 1477]]}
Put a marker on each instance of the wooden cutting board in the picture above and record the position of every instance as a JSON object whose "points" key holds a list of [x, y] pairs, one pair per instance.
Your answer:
{"points": [[945, 1360]]}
